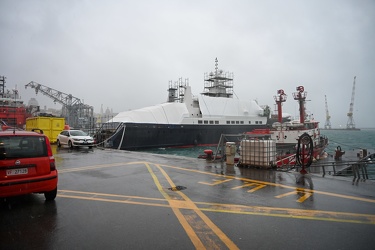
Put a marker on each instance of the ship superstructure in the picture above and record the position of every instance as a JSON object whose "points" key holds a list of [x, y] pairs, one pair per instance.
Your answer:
{"points": [[13, 112], [186, 119]]}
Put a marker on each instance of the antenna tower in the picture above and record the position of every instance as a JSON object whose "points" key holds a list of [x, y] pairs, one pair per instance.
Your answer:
{"points": [[327, 125], [350, 124]]}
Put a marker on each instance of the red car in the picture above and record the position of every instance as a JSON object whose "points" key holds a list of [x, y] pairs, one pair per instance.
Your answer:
{"points": [[27, 164]]}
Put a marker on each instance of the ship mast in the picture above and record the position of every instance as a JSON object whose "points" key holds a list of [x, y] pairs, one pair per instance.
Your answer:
{"points": [[300, 96], [280, 98], [218, 83]]}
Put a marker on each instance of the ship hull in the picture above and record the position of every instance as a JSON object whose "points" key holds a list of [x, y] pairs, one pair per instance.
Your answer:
{"points": [[140, 136]]}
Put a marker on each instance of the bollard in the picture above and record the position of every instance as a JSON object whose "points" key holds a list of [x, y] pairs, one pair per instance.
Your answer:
{"points": [[209, 154]]}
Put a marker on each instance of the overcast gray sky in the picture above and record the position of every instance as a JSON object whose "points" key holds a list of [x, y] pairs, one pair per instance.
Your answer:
{"points": [[122, 54]]}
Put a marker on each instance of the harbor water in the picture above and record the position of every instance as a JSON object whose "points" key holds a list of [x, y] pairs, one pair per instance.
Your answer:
{"points": [[347, 139]]}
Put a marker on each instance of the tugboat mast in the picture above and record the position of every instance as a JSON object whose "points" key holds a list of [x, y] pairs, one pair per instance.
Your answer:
{"points": [[300, 96], [279, 99]]}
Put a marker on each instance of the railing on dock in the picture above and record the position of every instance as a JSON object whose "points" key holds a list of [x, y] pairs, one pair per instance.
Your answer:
{"points": [[363, 169], [360, 170]]}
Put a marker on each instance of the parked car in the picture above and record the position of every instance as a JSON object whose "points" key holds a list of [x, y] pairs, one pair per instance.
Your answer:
{"points": [[74, 138], [27, 164]]}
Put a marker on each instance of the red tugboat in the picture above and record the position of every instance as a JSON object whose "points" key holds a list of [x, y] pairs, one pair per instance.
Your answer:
{"points": [[286, 134], [13, 112]]}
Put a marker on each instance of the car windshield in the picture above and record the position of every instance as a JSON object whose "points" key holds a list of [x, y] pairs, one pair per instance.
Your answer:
{"points": [[77, 133], [22, 147]]}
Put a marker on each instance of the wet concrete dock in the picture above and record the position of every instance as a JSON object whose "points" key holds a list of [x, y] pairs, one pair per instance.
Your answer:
{"points": [[131, 200]]}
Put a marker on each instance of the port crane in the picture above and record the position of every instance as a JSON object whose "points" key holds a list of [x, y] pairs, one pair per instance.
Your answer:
{"points": [[76, 113], [327, 124], [350, 124]]}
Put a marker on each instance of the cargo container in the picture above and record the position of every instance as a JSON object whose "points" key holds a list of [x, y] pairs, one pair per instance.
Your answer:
{"points": [[51, 126]]}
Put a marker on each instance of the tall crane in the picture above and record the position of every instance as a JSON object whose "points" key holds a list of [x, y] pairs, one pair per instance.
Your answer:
{"points": [[327, 124], [350, 124], [76, 113]]}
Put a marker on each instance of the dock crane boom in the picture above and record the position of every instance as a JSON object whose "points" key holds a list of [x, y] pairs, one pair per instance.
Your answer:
{"points": [[350, 124], [327, 124], [76, 113]]}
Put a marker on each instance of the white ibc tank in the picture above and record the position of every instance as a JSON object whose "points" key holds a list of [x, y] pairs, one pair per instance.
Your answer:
{"points": [[259, 153]]}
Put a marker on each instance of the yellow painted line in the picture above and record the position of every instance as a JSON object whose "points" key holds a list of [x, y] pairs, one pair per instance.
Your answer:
{"points": [[112, 200], [319, 215], [215, 182], [97, 167], [258, 186], [275, 184], [289, 213], [225, 239], [62, 191], [188, 229], [305, 195], [221, 176]]}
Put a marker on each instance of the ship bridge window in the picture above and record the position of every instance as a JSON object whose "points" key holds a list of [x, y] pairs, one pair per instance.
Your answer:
{"points": [[205, 122], [249, 122], [241, 122], [216, 122], [309, 126], [256, 122], [228, 122], [232, 122], [211, 122], [200, 122], [260, 122], [237, 122]]}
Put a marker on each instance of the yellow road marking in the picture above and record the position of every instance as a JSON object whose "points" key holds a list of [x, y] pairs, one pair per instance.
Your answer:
{"points": [[97, 167], [221, 176], [188, 229], [275, 184], [215, 182], [228, 242], [258, 186], [304, 196], [224, 208]]}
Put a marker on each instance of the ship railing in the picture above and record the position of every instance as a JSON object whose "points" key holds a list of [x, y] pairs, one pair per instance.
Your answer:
{"points": [[286, 163]]}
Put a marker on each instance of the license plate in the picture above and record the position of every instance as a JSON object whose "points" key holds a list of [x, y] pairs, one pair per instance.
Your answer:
{"points": [[17, 171]]}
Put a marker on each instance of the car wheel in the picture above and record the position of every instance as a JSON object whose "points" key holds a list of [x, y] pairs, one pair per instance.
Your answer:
{"points": [[70, 144], [51, 195], [58, 144]]}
